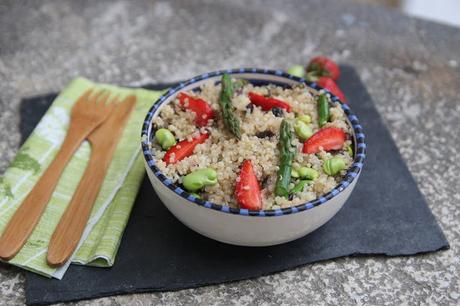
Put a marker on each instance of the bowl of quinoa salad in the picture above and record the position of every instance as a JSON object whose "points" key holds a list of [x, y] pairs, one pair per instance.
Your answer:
{"points": [[252, 157]]}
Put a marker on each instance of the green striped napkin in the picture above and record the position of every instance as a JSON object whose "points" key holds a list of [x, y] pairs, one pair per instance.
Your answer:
{"points": [[102, 235]]}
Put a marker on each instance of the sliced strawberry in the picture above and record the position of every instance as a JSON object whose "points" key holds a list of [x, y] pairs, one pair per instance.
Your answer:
{"points": [[247, 190], [200, 107], [183, 149], [321, 66], [268, 103], [329, 84], [330, 138]]}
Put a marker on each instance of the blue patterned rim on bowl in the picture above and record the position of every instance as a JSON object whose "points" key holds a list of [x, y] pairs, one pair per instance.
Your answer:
{"points": [[352, 172]]}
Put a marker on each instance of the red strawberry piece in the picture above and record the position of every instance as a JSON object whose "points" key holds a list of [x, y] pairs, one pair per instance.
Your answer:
{"points": [[200, 107], [268, 103], [183, 149], [321, 66], [329, 139], [247, 190], [329, 84]]}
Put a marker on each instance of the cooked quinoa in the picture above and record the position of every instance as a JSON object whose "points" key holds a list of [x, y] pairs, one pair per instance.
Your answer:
{"points": [[224, 153]]}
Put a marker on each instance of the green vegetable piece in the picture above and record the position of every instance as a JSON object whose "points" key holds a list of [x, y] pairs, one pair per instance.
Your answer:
{"points": [[287, 153], [305, 118], [240, 83], [196, 195], [300, 186], [308, 173], [165, 138], [303, 130], [350, 151], [228, 112], [294, 173], [334, 165], [200, 178], [297, 70], [323, 110]]}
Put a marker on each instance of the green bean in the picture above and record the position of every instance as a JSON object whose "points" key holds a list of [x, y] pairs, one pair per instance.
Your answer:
{"points": [[287, 153], [323, 110], [165, 138], [200, 178], [228, 112], [308, 173], [334, 165], [300, 186], [303, 130]]}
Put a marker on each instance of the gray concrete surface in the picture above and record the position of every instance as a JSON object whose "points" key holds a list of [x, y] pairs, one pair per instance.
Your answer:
{"points": [[411, 68]]}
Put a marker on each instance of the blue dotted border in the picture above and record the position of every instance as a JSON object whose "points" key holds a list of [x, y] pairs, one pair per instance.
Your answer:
{"points": [[360, 152]]}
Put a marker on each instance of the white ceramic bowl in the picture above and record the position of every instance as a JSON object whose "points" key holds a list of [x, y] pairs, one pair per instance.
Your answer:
{"points": [[242, 226]]}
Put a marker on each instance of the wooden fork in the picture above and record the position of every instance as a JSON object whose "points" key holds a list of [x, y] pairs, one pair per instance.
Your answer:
{"points": [[89, 112], [72, 224]]}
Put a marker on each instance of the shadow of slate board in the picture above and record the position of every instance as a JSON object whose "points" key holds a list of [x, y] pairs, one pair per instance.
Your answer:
{"points": [[385, 215]]}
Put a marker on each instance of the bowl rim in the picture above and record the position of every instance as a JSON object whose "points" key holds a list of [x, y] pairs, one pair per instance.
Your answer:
{"points": [[352, 172]]}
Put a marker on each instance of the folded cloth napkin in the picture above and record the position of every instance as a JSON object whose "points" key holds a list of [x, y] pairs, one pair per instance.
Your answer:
{"points": [[102, 235]]}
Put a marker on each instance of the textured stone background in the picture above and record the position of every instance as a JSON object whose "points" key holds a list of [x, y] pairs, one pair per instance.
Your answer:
{"points": [[410, 67]]}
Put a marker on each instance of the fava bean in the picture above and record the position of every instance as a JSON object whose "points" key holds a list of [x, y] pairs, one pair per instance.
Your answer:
{"points": [[297, 70], [308, 173], [334, 165], [304, 118], [200, 178], [303, 130], [350, 150], [294, 173], [165, 138], [196, 195]]}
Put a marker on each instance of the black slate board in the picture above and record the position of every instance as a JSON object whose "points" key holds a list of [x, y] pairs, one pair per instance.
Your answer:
{"points": [[385, 215]]}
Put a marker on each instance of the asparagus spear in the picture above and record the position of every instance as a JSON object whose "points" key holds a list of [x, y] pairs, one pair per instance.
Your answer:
{"points": [[228, 112], [287, 153], [323, 110]]}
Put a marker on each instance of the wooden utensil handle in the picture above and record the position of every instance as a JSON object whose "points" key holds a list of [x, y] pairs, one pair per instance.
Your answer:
{"points": [[28, 214], [72, 224]]}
